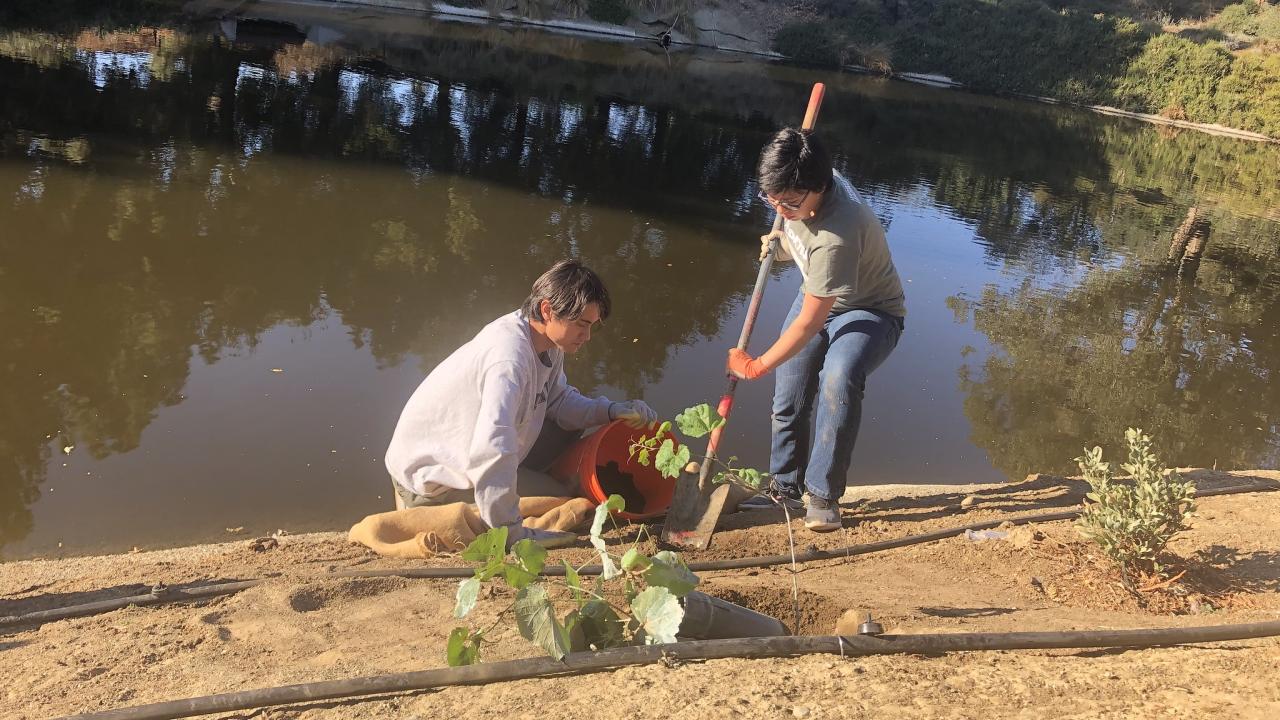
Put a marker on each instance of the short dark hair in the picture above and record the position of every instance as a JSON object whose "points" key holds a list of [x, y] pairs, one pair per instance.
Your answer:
{"points": [[570, 286], [794, 160]]}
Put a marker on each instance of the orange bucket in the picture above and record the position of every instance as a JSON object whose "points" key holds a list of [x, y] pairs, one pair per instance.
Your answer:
{"points": [[599, 463]]}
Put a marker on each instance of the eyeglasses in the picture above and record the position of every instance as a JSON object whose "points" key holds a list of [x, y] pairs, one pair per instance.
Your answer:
{"points": [[779, 205]]}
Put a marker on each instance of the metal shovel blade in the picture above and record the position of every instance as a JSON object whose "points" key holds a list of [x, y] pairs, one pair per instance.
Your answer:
{"points": [[692, 519]]}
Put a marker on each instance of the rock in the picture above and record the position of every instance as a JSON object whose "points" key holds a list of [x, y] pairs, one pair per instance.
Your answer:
{"points": [[262, 544], [1025, 536], [693, 467], [968, 502], [800, 711], [850, 620]]}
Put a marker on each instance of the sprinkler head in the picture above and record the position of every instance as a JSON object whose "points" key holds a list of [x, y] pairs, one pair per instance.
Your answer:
{"points": [[870, 627]]}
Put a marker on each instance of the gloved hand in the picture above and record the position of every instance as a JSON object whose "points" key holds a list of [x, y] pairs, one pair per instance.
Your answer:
{"points": [[744, 366], [546, 538], [634, 413], [766, 239]]}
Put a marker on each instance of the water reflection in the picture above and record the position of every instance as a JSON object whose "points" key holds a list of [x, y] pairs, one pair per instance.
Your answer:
{"points": [[173, 199]]}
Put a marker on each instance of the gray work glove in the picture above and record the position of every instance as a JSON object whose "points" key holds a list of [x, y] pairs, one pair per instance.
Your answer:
{"points": [[634, 413], [546, 538]]}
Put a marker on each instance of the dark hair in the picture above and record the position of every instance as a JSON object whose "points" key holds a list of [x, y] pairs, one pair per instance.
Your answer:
{"points": [[570, 286], [794, 160]]}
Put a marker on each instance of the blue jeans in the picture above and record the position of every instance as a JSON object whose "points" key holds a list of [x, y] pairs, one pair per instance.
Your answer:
{"points": [[818, 397]]}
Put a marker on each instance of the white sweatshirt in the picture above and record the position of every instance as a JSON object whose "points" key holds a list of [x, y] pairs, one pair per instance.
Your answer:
{"points": [[473, 420]]}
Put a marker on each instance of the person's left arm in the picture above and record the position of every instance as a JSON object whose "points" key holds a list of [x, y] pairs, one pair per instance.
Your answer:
{"points": [[571, 409]]}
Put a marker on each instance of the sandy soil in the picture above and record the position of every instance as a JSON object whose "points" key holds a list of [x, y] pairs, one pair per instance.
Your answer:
{"points": [[301, 626]]}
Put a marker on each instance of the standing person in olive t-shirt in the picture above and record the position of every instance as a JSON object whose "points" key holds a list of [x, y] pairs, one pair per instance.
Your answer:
{"points": [[844, 323]]}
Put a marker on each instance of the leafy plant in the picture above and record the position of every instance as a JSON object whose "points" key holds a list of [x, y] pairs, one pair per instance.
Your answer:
{"points": [[608, 11], [669, 459], [650, 589], [1133, 521], [1239, 18]]}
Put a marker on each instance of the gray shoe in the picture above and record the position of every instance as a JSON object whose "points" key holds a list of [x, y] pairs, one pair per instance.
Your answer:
{"points": [[771, 498], [823, 515]]}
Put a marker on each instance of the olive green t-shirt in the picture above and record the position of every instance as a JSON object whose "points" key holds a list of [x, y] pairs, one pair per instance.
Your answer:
{"points": [[842, 252]]}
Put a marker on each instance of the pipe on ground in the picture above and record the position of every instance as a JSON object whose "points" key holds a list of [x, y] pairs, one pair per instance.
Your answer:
{"points": [[581, 663]]}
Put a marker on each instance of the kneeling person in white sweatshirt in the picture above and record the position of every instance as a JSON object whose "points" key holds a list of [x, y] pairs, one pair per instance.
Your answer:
{"points": [[469, 426]]}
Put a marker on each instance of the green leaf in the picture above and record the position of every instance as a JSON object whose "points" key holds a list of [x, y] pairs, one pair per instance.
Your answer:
{"points": [[574, 582], [644, 457], [699, 420], [468, 593], [531, 555], [633, 559], [488, 546], [536, 620], [743, 476], [670, 572], [670, 462], [600, 626], [463, 647], [658, 613], [516, 576]]}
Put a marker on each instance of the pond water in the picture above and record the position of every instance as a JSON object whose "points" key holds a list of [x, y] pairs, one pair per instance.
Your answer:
{"points": [[230, 249]]}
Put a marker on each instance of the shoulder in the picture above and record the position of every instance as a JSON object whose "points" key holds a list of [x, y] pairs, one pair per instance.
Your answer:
{"points": [[504, 342]]}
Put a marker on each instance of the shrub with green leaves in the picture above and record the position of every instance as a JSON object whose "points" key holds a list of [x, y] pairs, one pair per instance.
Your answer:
{"points": [[650, 589], [1239, 18], [1173, 72], [1133, 520], [608, 11]]}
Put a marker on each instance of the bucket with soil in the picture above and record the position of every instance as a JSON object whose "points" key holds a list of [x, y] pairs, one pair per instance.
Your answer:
{"points": [[600, 464]]}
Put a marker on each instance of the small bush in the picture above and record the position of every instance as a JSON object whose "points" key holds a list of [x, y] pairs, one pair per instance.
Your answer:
{"points": [[1173, 72], [1238, 18], [609, 11], [1134, 521], [1269, 23], [1249, 97], [815, 43]]}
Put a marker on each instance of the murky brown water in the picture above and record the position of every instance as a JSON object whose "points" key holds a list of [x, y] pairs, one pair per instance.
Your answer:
{"points": [[229, 251]]}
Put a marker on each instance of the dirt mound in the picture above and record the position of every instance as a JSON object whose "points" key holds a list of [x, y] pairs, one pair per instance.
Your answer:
{"points": [[321, 595], [806, 613]]}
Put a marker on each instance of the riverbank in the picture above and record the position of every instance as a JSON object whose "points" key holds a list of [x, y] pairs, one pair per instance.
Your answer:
{"points": [[1136, 76], [300, 627]]}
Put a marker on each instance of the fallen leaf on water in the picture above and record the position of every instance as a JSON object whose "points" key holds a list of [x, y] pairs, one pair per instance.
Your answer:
{"points": [[236, 529], [277, 369], [66, 450]]}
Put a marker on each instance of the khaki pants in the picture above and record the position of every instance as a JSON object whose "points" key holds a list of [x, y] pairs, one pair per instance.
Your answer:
{"points": [[532, 479]]}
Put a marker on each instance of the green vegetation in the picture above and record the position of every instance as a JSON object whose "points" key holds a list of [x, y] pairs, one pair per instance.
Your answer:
{"points": [[1133, 521], [610, 11], [635, 599], [1077, 54], [695, 422], [1238, 18]]}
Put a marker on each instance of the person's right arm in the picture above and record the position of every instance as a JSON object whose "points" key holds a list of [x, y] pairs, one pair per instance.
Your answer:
{"points": [[494, 452]]}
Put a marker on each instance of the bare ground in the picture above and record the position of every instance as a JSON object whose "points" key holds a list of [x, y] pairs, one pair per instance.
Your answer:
{"points": [[302, 627]]}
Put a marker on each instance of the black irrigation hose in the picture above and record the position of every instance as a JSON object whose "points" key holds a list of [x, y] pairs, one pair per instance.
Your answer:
{"points": [[581, 663], [209, 591], [155, 597]]}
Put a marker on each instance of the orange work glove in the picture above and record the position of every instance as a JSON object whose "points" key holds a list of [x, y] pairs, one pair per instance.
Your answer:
{"points": [[744, 366]]}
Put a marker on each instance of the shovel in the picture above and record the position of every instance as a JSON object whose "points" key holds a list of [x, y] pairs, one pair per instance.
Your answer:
{"points": [[697, 504]]}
